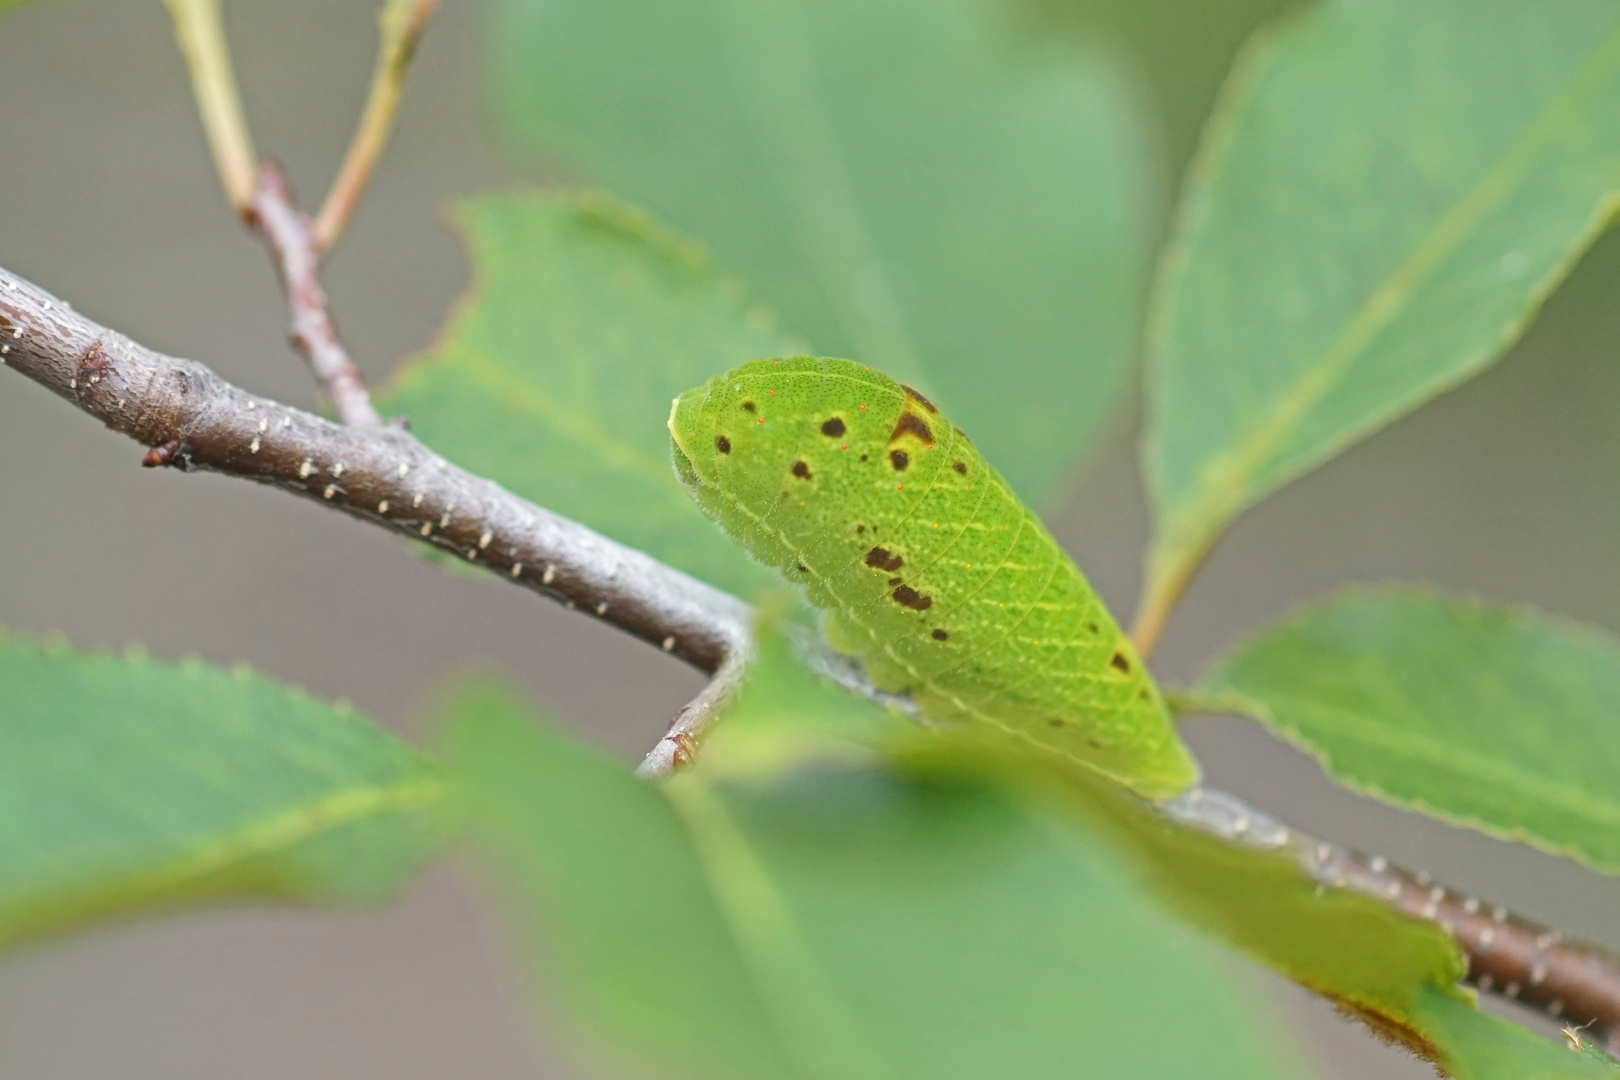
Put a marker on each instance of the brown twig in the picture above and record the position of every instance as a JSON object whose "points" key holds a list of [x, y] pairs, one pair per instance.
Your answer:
{"points": [[262, 197], [401, 23], [192, 419], [679, 746], [288, 234]]}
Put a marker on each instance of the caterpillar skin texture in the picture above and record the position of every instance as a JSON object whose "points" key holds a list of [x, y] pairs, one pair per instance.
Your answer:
{"points": [[928, 567]]}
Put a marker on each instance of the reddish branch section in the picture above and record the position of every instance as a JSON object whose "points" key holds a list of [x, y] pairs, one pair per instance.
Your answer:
{"points": [[1507, 955], [192, 419], [291, 239]]}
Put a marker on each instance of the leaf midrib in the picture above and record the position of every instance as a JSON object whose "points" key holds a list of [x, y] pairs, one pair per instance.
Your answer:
{"points": [[818, 1028], [1225, 479], [1447, 757], [266, 835], [566, 421]]}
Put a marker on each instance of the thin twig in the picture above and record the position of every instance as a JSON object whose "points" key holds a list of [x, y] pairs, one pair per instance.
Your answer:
{"points": [[193, 419], [292, 244], [263, 198], [198, 29], [401, 23], [678, 748]]}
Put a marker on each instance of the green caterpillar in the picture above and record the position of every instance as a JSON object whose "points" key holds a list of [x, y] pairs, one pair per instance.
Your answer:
{"points": [[928, 566]]}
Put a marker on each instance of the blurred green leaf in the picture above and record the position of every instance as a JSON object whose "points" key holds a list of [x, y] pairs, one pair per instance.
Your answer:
{"points": [[1501, 720], [127, 782], [1387, 194], [556, 373], [1354, 950], [836, 920], [1181, 51], [905, 182]]}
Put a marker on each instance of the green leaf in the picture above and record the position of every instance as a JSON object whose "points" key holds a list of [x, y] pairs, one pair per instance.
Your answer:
{"points": [[930, 569], [902, 180], [835, 921], [1481, 1047], [1387, 194], [127, 782], [1502, 720], [556, 372], [1352, 949]]}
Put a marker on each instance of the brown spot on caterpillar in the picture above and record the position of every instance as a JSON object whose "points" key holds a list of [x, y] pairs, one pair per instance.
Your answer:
{"points": [[749, 406], [1092, 627], [860, 528], [899, 460], [912, 424], [863, 457], [1118, 660], [940, 635], [803, 569], [895, 580], [1143, 694], [960, 468], [881, 559], [833, 428], [906, 596], [916, 395], [722, 444], [1094, 742], [1056, 721], [801, 470]]}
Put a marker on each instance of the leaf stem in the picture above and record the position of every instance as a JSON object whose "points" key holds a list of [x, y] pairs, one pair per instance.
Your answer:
{"points": [[201, 36], [1159, 598], [1171, 567], [401, 23]]}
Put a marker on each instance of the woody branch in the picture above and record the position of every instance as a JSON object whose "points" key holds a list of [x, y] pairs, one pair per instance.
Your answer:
{"points": [[190, 418]]}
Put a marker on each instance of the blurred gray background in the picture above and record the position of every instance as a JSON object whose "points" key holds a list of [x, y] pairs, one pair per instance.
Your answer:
{"points": [[1505, 488]]}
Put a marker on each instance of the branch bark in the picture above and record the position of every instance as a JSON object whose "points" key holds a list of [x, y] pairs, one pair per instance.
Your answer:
{"points": [[193, 419]]}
